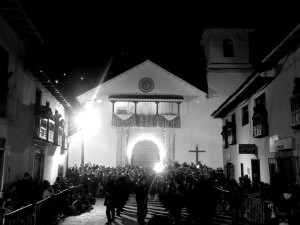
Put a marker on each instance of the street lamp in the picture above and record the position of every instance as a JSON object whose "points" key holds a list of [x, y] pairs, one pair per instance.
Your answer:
{"points": [[159, 167], [88, 122]]}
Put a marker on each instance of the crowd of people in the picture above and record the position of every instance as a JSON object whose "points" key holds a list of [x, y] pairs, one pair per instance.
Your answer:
{"points": [[28, 191], [177, 186], [198, 188]]}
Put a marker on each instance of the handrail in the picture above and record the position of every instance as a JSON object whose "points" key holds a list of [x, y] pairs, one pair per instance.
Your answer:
{"points": [[257, 210], [221, 189], [42, 212], [17, 210], [22, 216]]}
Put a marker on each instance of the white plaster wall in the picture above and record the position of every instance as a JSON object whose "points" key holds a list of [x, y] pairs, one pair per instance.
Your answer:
{"points": [[198, 127], [225, 83]]}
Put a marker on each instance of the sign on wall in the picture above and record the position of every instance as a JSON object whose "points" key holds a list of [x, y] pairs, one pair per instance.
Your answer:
{"points": [[272, 140], [284, 144], [247, 149]]}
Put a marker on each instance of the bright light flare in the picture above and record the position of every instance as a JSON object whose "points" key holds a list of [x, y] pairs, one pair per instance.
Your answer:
{"points": [[162, 152], [159, 167], [88, 120]]}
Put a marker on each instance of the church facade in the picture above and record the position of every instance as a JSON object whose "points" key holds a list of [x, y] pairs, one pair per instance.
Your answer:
{"points": [[148, 115]]}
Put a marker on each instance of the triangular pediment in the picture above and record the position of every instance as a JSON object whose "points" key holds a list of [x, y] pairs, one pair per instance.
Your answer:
{"points": [[159, 80]]}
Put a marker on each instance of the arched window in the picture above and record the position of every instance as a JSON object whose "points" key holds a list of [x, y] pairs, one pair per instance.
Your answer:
{"points": [[228, 48]]}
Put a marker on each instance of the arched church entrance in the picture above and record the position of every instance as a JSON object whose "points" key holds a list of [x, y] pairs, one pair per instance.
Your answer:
{"points": [[145, 154]]}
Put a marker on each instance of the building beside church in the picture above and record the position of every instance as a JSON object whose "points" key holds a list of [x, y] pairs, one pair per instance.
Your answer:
{"points": [[33, 113], [261, 118]]}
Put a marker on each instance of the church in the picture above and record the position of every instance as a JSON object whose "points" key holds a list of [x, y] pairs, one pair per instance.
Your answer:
{"points": [[148, 115]]}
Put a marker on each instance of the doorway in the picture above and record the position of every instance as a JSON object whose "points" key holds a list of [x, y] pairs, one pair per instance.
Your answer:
{"points": [[287, 168], [229, 168], [38, 168], [255, 167], [145, 154]]}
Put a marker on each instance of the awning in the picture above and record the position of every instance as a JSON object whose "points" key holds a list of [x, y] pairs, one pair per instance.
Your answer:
{"points": [[145, 98]]}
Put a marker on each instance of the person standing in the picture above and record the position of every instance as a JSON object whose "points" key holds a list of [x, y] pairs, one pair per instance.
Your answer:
{"points": [[109, 201], [178, 199], [142, 200]]}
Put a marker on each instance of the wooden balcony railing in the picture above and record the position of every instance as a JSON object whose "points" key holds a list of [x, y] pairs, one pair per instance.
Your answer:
{"points": [[295, 111], [260, 125], [142, 120]]}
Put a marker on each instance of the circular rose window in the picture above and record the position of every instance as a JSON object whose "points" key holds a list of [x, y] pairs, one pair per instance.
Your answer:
{"points": [[146, 84]]}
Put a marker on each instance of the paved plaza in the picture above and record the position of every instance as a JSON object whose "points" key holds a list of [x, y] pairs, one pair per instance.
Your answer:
{"points": [[97, 215]]}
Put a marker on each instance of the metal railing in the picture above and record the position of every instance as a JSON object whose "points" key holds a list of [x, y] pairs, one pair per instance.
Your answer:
{"points": [[43, 212], [22, 216], [257, 210]]}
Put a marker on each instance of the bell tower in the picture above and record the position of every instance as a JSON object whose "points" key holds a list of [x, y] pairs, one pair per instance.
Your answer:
{"points": [[228, 60]]}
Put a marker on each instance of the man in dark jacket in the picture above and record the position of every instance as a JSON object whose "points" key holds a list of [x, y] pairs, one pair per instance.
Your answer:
{"points": [[142, 199], [110, 199]]}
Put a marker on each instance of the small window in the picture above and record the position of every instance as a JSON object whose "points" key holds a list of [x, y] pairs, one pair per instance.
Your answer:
{"points": [[233, 118], [228, 48], [167, 108], [121, 110], [260, 100], [245, 115]]}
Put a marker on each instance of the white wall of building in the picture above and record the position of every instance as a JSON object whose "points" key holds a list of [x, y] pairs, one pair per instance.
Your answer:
{"points": [[277, 95], [18, 127]]}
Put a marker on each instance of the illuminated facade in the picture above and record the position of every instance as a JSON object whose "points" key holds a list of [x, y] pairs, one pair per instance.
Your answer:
{"points": [[261, 119], [148, 115]]}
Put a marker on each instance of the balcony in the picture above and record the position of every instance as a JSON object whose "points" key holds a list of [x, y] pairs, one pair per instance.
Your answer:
{"points": [[41, 127], [44, 124], [231, 137], [260, 126], [231, 134], [224, 137], [142, 120], [295, 111], [140, 110]]}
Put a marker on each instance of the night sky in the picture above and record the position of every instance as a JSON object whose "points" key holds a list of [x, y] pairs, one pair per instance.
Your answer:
{"points": [[81, 38]]}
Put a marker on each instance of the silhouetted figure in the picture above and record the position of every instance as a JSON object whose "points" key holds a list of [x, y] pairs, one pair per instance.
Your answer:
{"points": [[142, 199], [109, 200]]}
